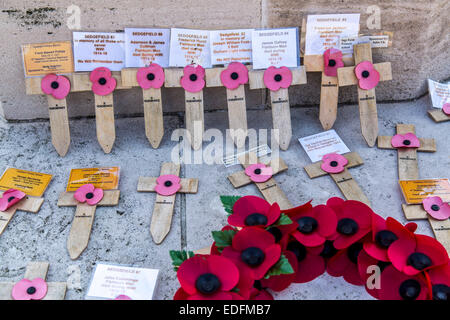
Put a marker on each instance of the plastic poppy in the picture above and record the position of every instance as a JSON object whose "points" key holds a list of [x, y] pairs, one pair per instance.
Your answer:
{"points": [[57, 86], [259, 172], [193, 79], [151, 76], [10, 197], [234, 75], [446, 108], [254, 250], [354, 221], [436, 208], [310, 264], [276, 78], [89, 193], [332, 60], [439, 281], [345, 264], [333, 163], [407, 140], [395, 285], [416, 253], [29, 289], [103, 83], [208, 278], [167, 185], [367, 76], [254, 211]]}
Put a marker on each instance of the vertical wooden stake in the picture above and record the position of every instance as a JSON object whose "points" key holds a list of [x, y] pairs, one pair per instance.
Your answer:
{"points": [[328, 101], [195, 118], [281, 116], [237, 115], [153, 116], [59, 124], [104, 117]]}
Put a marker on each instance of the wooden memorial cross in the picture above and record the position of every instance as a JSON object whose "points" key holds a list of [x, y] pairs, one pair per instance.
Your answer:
{"points": [[81, 228], [269, 189], [164, 205], [27, 204], [55, 290], [281, 114], [344, 179], [408, 169], [438, 115], [367, 99], [153, 112]]}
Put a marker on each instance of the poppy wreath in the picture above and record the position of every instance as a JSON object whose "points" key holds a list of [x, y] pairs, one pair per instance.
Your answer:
{"points": [[264, 249]]}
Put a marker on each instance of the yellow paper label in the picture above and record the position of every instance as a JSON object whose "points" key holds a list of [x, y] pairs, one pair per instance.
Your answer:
{"points": [[105, 178], [51, 57], [32, 183], [415, 191]]}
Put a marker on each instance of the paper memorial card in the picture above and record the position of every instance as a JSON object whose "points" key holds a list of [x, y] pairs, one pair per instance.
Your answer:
{"points": [[229, 46], [439, 93], [144, 46], [189, 46], [32, 183], [318, 145]]}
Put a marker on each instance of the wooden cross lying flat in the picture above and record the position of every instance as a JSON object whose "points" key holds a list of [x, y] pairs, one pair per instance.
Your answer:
{"points": [[269, 189], [281, 114], [194, 115], [27, 204], [164, 205], [237, 107], [153, 112], [366, 98], [344, 179], [438, 115], [59, 120], [81, 228], [55, 290], [408, 169]]}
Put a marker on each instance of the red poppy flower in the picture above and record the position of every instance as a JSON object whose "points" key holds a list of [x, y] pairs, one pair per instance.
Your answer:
{"points": [[333, 163], [208, 277], [354, 221], [260, 295], [234, 75], [413, 254], [282, 281], [103, 83], [254, 250], [407, 140], [276, 78], [310, 264], [193, 79], [438, 280], [57, 86], [254, 211], [395, 285], [151, 76], [332, 60], [345, 264], [364, 262], [367, 76]]}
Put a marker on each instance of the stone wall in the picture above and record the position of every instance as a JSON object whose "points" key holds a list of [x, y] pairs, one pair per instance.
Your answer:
{"points": [[420, 48]]}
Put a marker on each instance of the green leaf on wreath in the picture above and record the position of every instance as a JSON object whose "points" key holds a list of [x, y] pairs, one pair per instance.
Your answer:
{"points": [[283, 220], [228, 203], [223, 238], [281, 267], [178, 257]]}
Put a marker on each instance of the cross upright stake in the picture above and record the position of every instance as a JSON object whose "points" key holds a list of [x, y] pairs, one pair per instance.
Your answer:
{"points": [[269, 189], [164, 205], [344, 180], [81, 228], [27, 204], [408, 169], [55, 290], [438, 115], [153, 112], [366, 98], [281, 114]]}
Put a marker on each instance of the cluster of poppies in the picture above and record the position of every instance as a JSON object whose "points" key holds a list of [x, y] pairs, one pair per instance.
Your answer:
{"points": [[264, 249]]}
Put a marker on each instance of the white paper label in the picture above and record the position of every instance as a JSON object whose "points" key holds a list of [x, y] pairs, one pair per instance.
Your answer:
{"points": [[346, 42], [110, 281], [318, 145], [145, 46], [188, 46], [323, 31], [439, 93], [275, 47], [98, 49], [231, 46]]}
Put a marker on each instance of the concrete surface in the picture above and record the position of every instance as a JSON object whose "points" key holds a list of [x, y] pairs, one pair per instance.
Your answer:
{"points": [[121, 234], [419, 51]]}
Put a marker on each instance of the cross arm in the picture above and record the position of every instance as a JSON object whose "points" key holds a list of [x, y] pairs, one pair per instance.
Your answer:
{"points": [[212, 76], [28, 204], [173, 77], [129, 77], [148, 184], [255, 77], [314, 63], [110, 198], [426, 145], [438, 115], [347, 77], [314, 170]]}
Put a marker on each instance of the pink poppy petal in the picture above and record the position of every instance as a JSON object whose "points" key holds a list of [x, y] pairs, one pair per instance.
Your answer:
{"points": [[333, 163], [46, 83], [264, 175], [98, 196], [107, 88], [164, 190], [10, 197], [367, 83], [100, 72], [123, 297], [193, 85], [19, 291], [63, 88], [436, 208], [276, 78], [336, 56], [407, 140], [446, 108]]}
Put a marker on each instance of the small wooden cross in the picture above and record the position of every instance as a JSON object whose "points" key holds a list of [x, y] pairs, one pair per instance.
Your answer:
{"points": [[81, 228], [27, 204], [55, 290], [408, 169], [438, 115], [367, 100], [237, 107], [281, 114], [194, 107], [269, 189], [164, 205], [344, 179], [153, 112]]}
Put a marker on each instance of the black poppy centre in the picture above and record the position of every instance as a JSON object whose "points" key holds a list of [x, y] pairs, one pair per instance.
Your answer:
{"points": [[102, 81], [11, 199], [353, 252], [253, 257], [168, 183], [234, 76], [409, 289], [298, 249], [89, 195], [347, 226], [150, 76], [54, 85], [406, 142], [331, 63], [31, 290], [208, 283], [193, 77], [419, 261], [365, 74], [276, 232], [278, 77], [256, 219], [328, 250], [334, 164], [307, 225], [441, 292], [435, 207], [384, 238], [257, 171]]}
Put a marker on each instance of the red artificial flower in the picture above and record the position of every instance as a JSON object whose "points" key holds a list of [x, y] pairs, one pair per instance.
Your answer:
{"points": [[365, 261], [254, 211], [310, 264], [254, 250], [332, 60], [282, 281], [413, 254], [207, 278], [438, 280], [345, 264], [368, 77], [275, 78], [354, 221], [395, 285], [234, 75]]}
